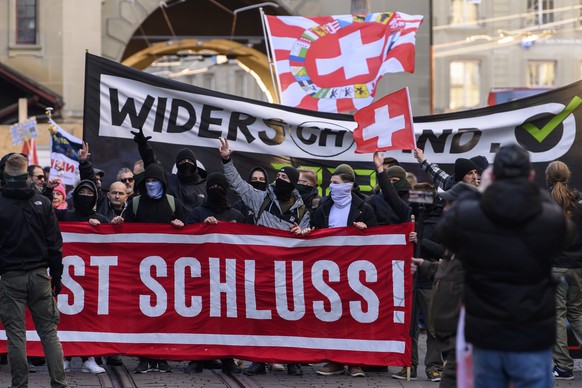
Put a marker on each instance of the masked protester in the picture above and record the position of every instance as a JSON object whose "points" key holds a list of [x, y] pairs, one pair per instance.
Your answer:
{"points": [[215, 209], [279, 207], [85, 204], [258, 179], [343, 208], [188, 184]]}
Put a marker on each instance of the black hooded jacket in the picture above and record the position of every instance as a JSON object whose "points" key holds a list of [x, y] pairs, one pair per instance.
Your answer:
{"points": [[153, 210], [191, 189], [78, 214], [29, 237], [506, 239]]}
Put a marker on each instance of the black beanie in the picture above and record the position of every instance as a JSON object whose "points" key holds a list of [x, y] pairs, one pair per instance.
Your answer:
{"points": [[511, 161], [185, 153], [462, 167], [216, 178], [481, 162], [292, 174]]}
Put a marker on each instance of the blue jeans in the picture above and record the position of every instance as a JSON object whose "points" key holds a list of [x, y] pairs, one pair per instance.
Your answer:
{"points": [[497, 369]]}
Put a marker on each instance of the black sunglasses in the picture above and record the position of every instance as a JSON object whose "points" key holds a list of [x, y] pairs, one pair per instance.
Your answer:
{"points": [[125, 180]]}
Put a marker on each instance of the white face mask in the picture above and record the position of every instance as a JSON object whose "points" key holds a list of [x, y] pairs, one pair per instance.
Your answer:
{"points": [[155, 189], [341, 193]]}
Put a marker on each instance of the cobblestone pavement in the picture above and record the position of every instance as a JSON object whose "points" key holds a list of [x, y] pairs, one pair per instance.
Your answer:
{"points": [[215, 379]]}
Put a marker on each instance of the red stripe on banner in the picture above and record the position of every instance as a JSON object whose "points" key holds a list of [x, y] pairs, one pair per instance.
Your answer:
{"points": [[234, 290]]}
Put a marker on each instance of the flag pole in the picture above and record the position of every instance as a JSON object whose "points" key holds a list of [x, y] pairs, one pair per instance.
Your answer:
{"points": [[276, 86]]}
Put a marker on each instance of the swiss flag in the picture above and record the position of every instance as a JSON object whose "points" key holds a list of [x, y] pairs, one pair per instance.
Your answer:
{"points": [[385, 125]]}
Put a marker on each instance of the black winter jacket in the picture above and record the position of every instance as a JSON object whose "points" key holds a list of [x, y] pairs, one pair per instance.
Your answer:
{"points": [[29, 236], [154, 210], [506, 239]]}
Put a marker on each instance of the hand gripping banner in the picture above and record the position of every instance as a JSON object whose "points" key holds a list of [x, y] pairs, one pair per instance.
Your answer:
{"points": [[214, 291]]}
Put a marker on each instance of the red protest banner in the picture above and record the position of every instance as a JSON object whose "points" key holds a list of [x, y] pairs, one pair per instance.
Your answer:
{"points": [[213, 291]]}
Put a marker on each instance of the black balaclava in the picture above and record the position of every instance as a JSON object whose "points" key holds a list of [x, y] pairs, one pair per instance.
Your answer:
{"points": [[283, 189], [186, 171], [216, 189], [84, 204], [262, 186]]}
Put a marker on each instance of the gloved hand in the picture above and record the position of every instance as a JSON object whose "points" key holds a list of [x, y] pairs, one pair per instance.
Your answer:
{"points": [[56, 285], [139, 137]]}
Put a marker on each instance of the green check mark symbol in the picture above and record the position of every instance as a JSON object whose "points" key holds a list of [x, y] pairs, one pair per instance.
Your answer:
{"points": [[541, 134]]}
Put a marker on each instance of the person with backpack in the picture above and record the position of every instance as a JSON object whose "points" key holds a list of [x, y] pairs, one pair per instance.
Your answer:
{"points": [[153, 206], [279, 207]]}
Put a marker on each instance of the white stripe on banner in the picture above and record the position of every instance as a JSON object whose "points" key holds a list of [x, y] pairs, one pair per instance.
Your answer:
{"points": [[372, 346], [157, 238], [230, 239]]}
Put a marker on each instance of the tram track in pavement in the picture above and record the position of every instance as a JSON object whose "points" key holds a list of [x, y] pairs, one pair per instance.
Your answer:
{"points": [[116, 377]]}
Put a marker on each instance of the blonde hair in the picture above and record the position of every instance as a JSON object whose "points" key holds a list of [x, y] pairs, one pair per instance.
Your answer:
{"points": [[558, 174], [310, 175]]}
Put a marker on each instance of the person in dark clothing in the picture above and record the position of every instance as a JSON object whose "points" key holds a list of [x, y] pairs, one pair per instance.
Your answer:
{"points": [[116, 201], [465, 170], [258, 178], [391, 206], [359, 214], [390, 202], [307, 188], [506, 238], [85, 200], [153, 206], [188, 185], [566, 270], [213, 210], [342, 208], [447, 278], [31, 244], [215, 207]]}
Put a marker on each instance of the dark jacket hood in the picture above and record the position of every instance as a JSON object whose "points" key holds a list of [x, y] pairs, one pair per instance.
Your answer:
{"points": [[153, 171], [91, 185], [512, 202], [261, 169]]}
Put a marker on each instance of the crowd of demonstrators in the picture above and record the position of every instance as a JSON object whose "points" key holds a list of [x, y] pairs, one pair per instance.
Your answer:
{"points": [[481, 220]]}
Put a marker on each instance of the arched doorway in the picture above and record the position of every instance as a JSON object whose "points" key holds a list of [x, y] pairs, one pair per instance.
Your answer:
{"points": [[250, 59]]}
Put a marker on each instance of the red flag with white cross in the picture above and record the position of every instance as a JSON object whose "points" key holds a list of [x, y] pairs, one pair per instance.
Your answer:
{"points": [[333, 63], [385, 125]]}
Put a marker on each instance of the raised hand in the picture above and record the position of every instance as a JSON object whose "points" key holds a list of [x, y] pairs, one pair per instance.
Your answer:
{"points": [[224, 149], [84, 152], [379, 161], [139, 137], [419, 155]]}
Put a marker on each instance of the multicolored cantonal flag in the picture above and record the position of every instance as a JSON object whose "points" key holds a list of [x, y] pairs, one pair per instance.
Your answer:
{"points": [[333, 63], [386, 124]]}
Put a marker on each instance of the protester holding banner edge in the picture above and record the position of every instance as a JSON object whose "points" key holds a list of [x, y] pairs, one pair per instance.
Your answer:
{"points": [[279, 207]]}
